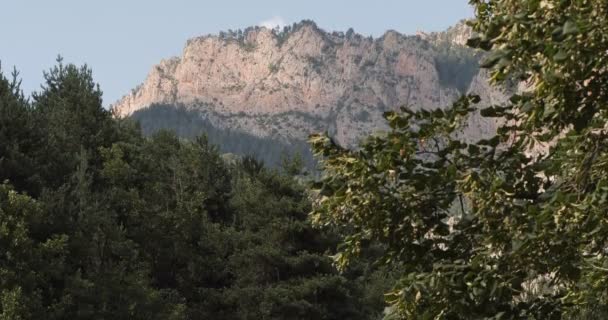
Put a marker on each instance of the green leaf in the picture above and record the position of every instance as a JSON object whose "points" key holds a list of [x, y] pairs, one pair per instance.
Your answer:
{"points": [[491, 60], [570, 28], [561, 55], [474, 42], [558, 34]]}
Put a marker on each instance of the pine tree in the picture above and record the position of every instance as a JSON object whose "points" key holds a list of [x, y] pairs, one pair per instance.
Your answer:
{"points": [[20, 138]]}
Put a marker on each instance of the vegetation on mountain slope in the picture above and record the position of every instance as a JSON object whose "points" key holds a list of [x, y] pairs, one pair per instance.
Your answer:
{"points": [[189, 123]]}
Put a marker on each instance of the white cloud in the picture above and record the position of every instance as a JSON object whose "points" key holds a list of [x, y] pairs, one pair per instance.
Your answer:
{"points": [[273, 22]]}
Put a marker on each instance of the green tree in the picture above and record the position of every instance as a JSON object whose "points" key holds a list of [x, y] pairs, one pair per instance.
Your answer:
{"points": [[19, 137], [104, 223], [171, 196], [99, 272], [279, 264], [69, 111], [30, 259], [105, 276], [513, 225]]}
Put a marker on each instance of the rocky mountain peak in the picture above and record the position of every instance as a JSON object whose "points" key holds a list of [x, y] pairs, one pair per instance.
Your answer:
{"points": [[285, 84], [457, 34]]}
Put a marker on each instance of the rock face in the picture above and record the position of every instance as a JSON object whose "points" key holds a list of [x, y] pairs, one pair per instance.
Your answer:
{"points": [[286, 85], [457, 35]]}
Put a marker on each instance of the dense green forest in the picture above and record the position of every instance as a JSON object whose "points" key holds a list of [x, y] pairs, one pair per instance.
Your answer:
{"points": [[189, 123], [99, 222]]}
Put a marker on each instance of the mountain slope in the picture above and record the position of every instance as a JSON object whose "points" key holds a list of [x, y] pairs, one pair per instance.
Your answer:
{"points": [[284, 85], [187, 123]]}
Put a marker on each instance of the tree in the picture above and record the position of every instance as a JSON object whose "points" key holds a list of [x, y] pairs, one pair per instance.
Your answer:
{"points": [[279, 264], [65, 252], [29, 259], [513, 225], [69, 111], [104, 275], [171, 197], [104, 223], [19, 137]]}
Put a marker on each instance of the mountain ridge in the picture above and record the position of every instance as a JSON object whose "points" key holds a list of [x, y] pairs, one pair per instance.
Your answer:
{"points": [[286, 84]]}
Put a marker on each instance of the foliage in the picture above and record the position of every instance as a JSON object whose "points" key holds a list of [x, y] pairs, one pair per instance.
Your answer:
{"points": [[189, 124], [456, 66], [511, 226], [99, 222], [18, 137]]}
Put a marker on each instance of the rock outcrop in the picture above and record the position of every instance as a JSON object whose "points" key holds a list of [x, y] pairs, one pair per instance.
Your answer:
{"points": [[286, 84]]}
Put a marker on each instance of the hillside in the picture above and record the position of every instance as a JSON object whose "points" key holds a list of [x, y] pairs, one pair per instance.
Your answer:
{"points": [[280, 86]]}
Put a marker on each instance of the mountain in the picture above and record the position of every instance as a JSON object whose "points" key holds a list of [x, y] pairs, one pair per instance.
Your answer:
{"points": [[278, 86]]}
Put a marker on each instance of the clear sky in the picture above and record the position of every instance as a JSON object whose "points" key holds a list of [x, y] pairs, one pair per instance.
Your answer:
{"points": [[122, 39]]}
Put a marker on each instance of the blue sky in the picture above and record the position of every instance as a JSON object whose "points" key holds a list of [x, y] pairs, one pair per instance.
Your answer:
{"points": [[122, 39]]}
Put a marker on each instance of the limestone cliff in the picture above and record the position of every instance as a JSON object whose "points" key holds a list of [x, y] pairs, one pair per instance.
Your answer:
{"points": [[286, 84]]}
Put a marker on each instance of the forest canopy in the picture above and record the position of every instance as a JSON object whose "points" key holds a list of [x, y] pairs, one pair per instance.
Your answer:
{"points": [[99, 222]]}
